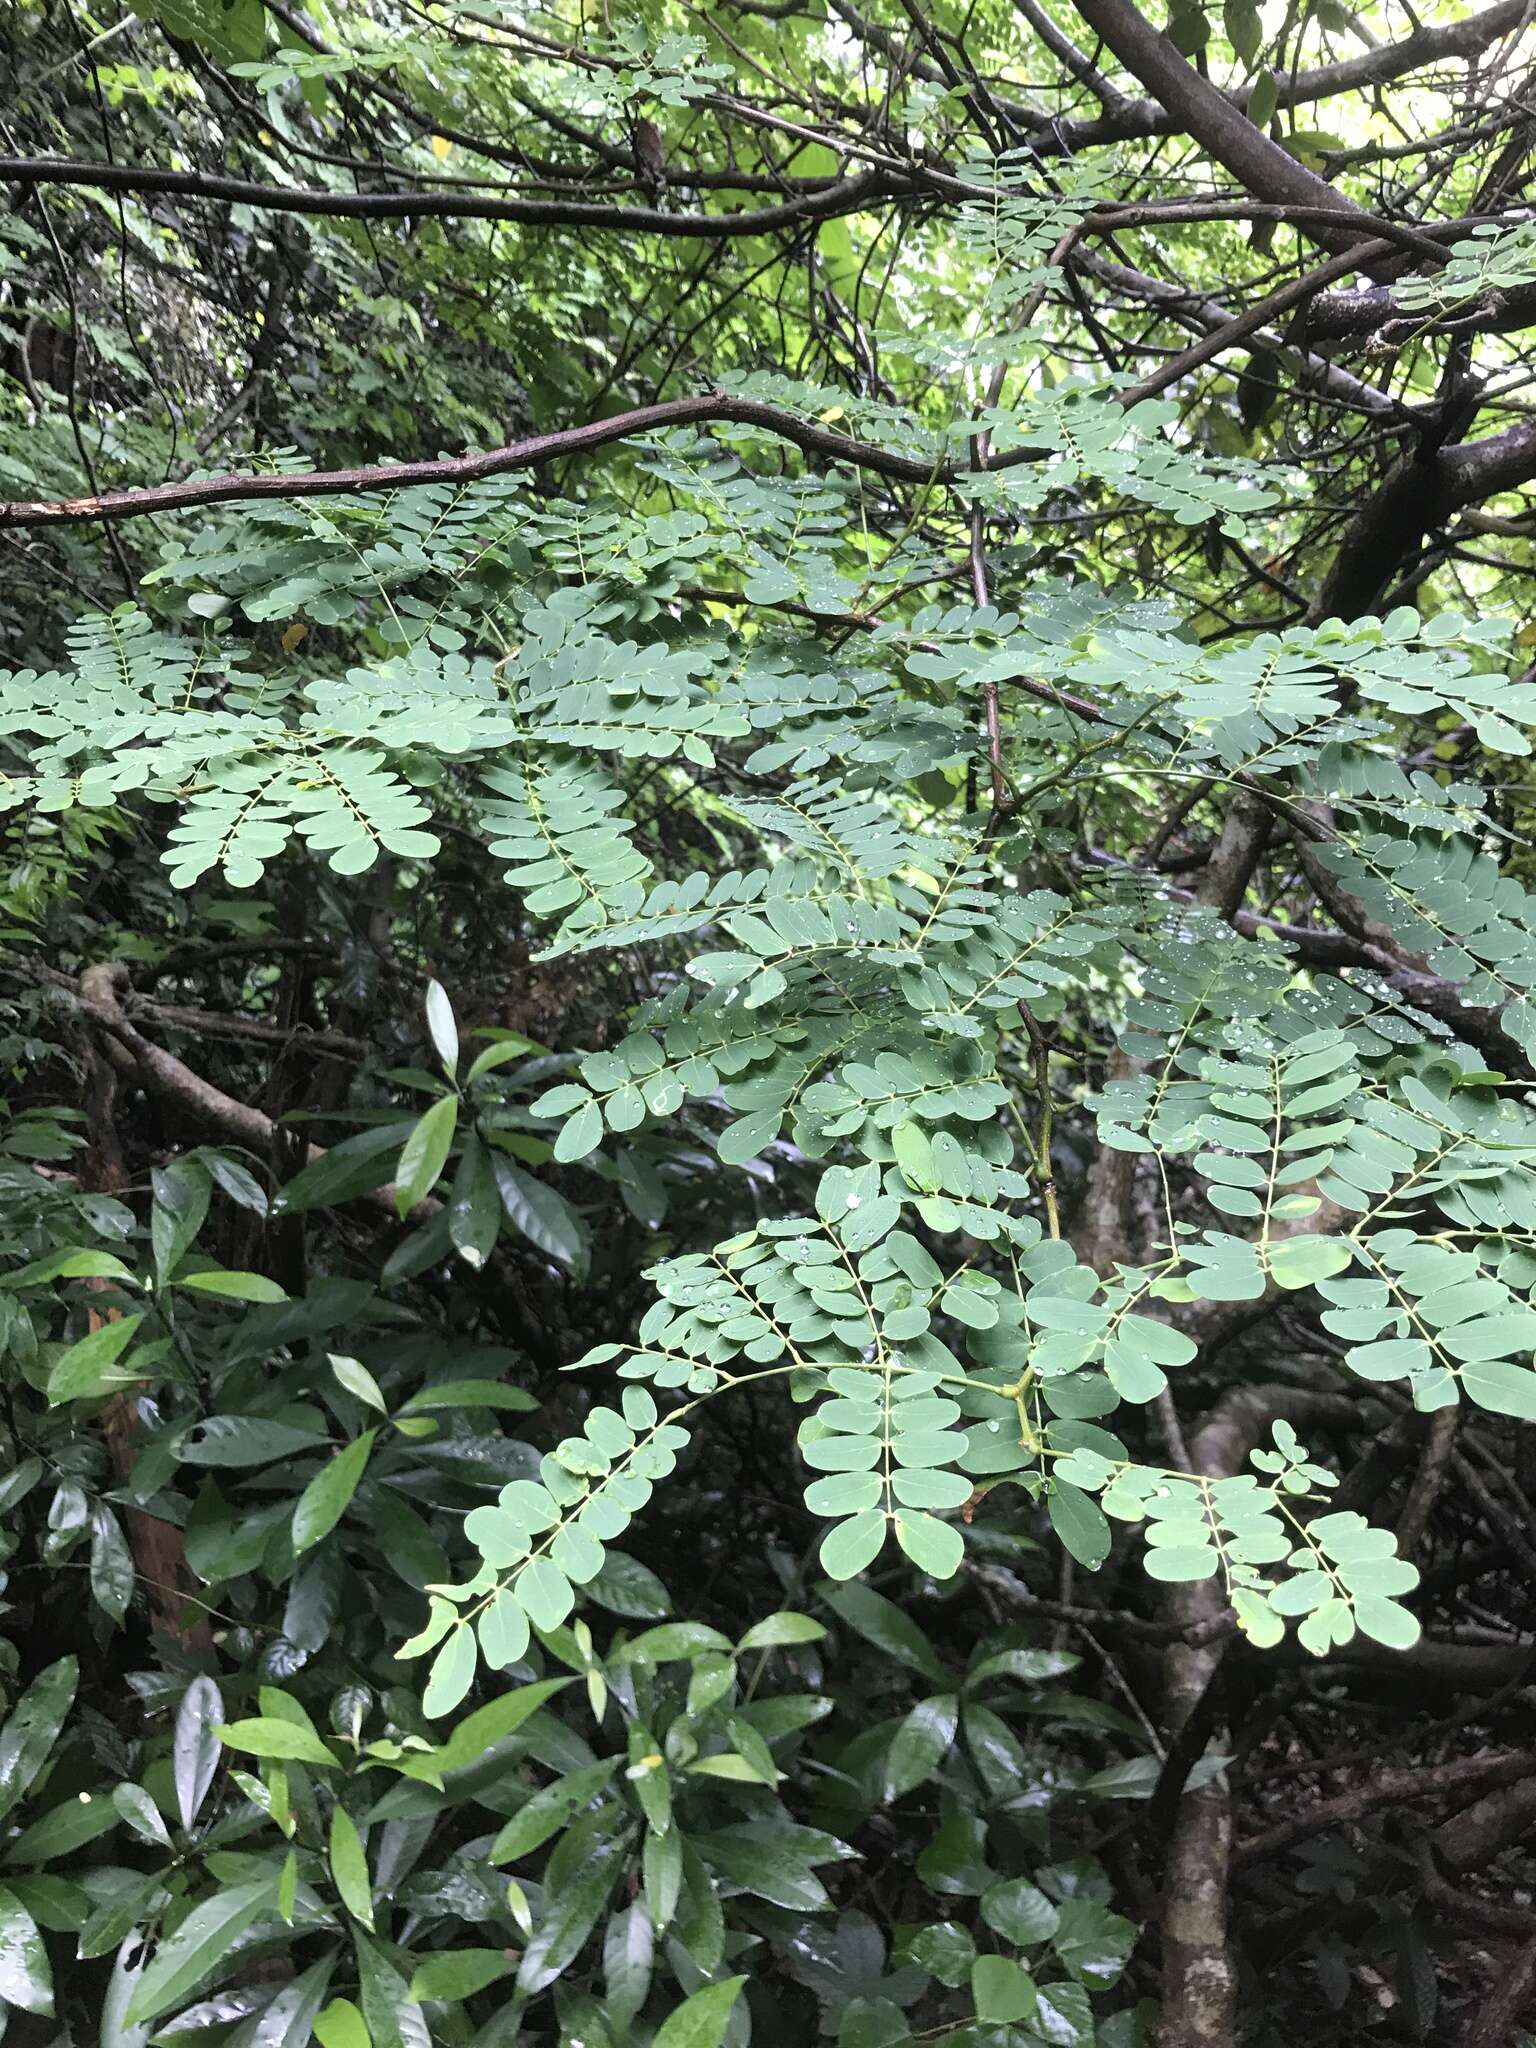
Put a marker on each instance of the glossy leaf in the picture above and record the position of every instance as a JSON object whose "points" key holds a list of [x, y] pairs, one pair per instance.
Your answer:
{"points": [[25, 1978], [199, 1944], [329, 1494], [425, 1153], [701, 2021], [33, 1727]]}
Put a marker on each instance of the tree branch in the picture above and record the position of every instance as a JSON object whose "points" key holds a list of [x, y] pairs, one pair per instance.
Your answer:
{"points": [[1201, 111], [1380, 66], [830, 202], [1388, 1788], [1422, 490], [712, 406], [1199, 1980], [1338, 316]]}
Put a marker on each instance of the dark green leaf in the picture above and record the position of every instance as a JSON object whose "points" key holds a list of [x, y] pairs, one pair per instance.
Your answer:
{"points": [[33, 1728], [474, 1206], [1079, 1521], [545, 1218], [881, 1622], [199, 1943], [25, 1978], [459, 1973], [268, 1737], [195, 1750], [349, 1867], [354, 1167]]}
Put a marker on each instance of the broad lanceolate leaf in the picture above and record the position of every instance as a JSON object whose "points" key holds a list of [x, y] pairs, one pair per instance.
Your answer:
{"points": [[459, 1973], [544, 1217], [574, 1898], [328, 1495], [425, 1153], [25, 1977], [392, 2016], [441, 1025], [90, 1368], [349, 1866], [271, 1737], [920, 1744], [197, 1945], [233, 1286], [701, 2021], [33, 1728], [195, 1748]]}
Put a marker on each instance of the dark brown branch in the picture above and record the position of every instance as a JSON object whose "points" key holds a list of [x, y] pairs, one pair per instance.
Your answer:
{"points": [[713, 406], [1336, 316], [1062, 47], [220, 1024], [1460, 1907], [1387, 1788], [809, 199], [1198, 109], [1434, 1463], [1012, 1592], [1207, 316], [1379, 66], [1435, 1663], [1421, 491], [1471, 1839], [1297, 291], [98, 998], [843, 196]]}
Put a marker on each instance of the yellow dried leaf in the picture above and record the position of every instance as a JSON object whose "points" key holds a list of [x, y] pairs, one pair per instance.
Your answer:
{"points": [[292, 635]]}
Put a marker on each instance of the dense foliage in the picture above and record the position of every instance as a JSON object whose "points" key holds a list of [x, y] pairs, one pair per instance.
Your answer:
{"points": [[769, 1168]]}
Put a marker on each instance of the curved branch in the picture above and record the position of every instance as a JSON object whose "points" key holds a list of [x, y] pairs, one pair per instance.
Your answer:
{"points": [[1208, 316], [1147, 118], [717, 406], [1390, 1788], [844, 195], [1203, 112], [1420, 492], [708, 406]]}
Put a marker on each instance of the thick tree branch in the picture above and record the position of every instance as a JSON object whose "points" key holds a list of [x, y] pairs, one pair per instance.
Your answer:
{"points": [[1339, 316], [1495, 2021], [1201, 111], [1423, 489], [714, 406], [1379, 66], [1207, 316], [1472, 1838], [1199, 1979], [98, 998]]}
